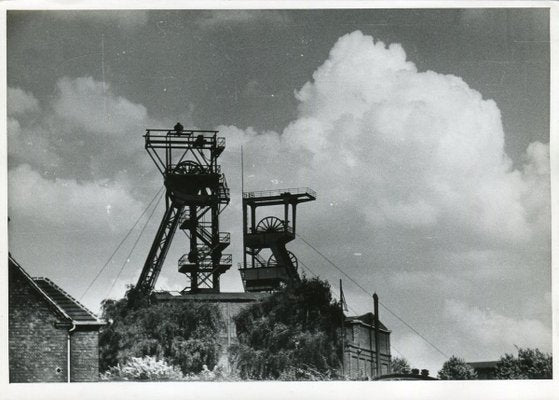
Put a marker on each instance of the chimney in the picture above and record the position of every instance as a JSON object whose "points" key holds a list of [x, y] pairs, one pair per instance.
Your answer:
{"points": [[377, 336]]}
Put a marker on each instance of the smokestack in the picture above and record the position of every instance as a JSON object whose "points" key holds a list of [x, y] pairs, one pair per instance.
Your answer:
{"points": [[377, 335]]}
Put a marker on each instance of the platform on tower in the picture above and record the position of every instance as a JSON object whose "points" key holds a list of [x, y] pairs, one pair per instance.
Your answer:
{"points": [[280, 196]]}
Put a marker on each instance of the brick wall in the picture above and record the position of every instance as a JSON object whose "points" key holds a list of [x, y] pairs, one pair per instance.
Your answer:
{"points": [[37, 350], [360, 351], [84, 356]]}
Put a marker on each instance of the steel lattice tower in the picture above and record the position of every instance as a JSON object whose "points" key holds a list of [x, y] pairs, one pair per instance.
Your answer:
{"points": [[271, 234], [196, 193]]}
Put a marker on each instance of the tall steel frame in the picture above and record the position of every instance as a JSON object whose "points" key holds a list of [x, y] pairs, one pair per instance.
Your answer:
{"points": [[196, 193], [261, 273]]}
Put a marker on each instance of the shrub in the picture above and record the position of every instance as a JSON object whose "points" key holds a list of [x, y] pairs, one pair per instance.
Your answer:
{"points": [[530, 364], [185, 334], [400, 366], [456, 369], [306, 373], [143, 369], [293, 334], [216, 374]]}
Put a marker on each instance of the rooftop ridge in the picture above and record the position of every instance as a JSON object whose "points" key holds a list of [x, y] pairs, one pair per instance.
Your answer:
{"points": [[69, 296], [34, 284]]}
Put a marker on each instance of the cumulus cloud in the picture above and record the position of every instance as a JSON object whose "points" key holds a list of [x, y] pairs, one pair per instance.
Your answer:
{"points": [[22, 143], [20, 101], [421, 150], [78, 176], [411, 171], [81, 156], [87, 132], [409, 167], [473, 334], [99, 206], [92, 106], [494, 333]]}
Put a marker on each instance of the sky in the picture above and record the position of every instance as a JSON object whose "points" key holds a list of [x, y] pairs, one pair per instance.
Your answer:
{"points": [[425, 134]]}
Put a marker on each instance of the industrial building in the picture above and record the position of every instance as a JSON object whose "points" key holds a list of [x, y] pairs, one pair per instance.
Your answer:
{"points": [[360, 356], [55, 338], [52, 337], [197, 193]]}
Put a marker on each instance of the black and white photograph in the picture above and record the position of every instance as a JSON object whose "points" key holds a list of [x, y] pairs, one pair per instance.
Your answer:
{"points": [[300, 196]]}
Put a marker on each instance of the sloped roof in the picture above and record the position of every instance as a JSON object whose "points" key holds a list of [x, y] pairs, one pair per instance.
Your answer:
{"points": [[368, 319], [61, 302], [73, 308]]}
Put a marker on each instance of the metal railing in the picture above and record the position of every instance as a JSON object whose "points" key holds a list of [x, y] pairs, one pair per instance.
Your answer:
{"points": [[194, 169], [279, 192], [223, 190], [172, 132], [189, 136], [226, 259], [248, 265]]}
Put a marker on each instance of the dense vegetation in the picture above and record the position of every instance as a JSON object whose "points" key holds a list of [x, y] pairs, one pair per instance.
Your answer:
{"points": [[456, 369], [400, 366], [530, 364], [183, 334], [293, 334]]}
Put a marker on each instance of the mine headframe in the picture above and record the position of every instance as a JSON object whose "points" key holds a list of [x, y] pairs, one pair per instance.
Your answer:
{"points": [[196, 193], [261, 272]]}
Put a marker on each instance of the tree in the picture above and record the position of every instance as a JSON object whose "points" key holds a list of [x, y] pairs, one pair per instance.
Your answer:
{"points": [[400, 366], [530, 364], [184, 334], [456, 369], [293, 334]]}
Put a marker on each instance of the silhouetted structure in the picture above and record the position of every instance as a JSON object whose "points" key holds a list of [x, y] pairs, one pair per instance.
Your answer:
{"points": [[196, 194], [262, 273]]}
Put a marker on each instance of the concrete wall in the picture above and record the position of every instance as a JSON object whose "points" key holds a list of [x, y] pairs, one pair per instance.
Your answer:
{"points": [[37, 349]]}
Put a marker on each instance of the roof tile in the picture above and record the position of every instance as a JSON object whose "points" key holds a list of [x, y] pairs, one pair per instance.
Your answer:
{"points": [[75, 310]]}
